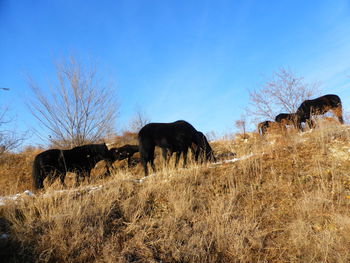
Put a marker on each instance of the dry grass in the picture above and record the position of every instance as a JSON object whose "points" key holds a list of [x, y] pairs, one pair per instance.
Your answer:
{"points": [[288, 202]]}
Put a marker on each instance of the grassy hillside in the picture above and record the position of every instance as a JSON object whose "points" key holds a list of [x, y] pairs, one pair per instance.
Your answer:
{"points": [[285, 199]]}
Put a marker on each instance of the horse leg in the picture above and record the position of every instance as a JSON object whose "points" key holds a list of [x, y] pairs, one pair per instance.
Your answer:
{"points": [[283, 127], [77, 178], [152, 165], [147, 155], [109, 166], [311, 123], [62, 176], [51, 178], [198, 152], [88, 176], [144, 165], [299, 126], [195, 152], [185, 158], [178, 153], [165, 155], [194, 148]]}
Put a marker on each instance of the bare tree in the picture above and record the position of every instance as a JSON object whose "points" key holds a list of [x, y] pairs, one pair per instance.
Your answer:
{"points": [[79, 108], [139, 120], [241, 125], [283, 93], [9, 138]]}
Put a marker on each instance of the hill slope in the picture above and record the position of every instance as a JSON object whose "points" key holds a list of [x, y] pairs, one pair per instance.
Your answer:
{"points": [[285, 199]]}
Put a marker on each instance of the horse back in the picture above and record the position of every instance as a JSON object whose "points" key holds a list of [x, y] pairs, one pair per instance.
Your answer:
{"points": [[321, 104]]}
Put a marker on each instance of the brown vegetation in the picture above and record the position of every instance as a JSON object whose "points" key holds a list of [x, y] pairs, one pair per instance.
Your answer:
{"points": [[286, 200]]}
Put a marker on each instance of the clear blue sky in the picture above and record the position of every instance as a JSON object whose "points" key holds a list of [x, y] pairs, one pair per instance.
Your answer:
{"points": [[192, 60]]}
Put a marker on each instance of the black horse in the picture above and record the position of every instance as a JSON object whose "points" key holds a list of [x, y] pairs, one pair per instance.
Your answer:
{"points": [[263, 126], [126, 151], [80, 160], [319, 106], [175, 136], [287, 119]]}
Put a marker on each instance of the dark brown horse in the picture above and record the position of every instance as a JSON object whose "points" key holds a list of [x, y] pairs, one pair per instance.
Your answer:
{"points": [[125, 152], [287, 118], [79, 160], [263, 126], [319, 106], [174, 137]]}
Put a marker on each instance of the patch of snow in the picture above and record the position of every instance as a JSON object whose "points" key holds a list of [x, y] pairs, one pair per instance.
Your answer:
{"points": [[4, 236], [234, 159], [4, 199], [29, 193], [146, 177]]}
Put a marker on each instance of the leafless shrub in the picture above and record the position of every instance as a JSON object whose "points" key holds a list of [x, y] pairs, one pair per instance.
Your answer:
{"points": [[283, 93], [241, 124], [79, 108], [139, 120], [9, 139]]}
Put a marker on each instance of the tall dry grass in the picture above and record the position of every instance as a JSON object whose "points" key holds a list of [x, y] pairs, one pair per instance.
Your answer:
{"points": [[288, 202]]}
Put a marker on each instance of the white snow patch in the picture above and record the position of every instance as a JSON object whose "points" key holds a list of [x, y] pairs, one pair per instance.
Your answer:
{"points": [[233, 160], [4, 236], [4, 199], [16, 197], [145, 177]]}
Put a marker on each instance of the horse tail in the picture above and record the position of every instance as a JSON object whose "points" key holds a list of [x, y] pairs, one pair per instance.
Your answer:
{"points": [[37, 174]]}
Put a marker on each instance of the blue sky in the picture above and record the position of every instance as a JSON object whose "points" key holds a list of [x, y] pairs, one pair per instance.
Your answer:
{"points": [[192, 60]]}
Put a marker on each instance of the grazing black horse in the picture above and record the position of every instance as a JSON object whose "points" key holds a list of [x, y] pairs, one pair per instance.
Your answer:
{"points": [[126, 151], [262, 127], [319, 106], [175, 136], [80, 160], [287, 119]]}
